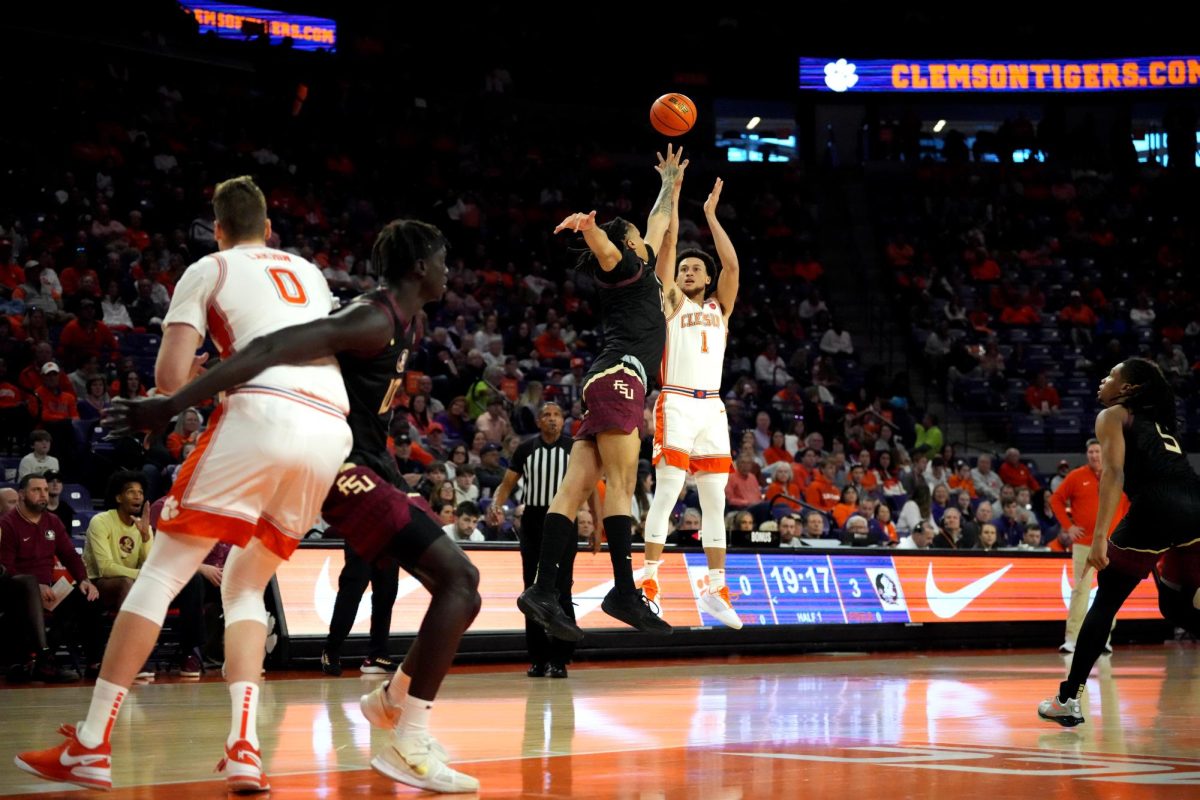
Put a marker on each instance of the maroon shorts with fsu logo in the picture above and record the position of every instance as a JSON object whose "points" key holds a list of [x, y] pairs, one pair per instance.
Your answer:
{"points": [[377, 519], [613, 401]]}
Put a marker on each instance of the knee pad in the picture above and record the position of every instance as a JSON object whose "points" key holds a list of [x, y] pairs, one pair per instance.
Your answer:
{"points": [[247, 573], [711, 488], [242, 603], [670, 483], [152, 592]]}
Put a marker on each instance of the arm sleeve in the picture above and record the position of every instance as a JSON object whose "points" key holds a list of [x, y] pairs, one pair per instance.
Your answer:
{"points": [[193, 293], [100, 543]]}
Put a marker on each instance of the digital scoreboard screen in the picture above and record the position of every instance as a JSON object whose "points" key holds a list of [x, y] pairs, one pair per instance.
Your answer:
{"points": [[231, 21]]}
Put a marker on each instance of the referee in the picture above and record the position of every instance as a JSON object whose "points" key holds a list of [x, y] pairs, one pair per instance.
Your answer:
{"points": [[542, 462]]}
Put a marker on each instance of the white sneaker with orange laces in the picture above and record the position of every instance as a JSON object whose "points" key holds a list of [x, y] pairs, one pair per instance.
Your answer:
{"points": [[717, 604], [242, 767], [70, 762]]}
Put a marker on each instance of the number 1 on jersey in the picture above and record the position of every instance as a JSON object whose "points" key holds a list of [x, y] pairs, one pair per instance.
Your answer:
{"points": [[703, 341], [291, 291]]}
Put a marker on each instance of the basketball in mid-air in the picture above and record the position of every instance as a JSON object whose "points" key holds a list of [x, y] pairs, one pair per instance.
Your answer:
{"points": [[673, 114]]}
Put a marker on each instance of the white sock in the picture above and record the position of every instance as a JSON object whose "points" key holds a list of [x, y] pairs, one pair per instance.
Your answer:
{"points": [[102, 713], [716, 579], [244, 697], [397, 689], [651, 570], [414, 715]]}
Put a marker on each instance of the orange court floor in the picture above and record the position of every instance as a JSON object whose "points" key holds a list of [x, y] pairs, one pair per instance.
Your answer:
{"points": [[955, 724]]}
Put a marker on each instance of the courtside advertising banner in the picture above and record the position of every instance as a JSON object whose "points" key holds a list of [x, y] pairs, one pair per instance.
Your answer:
{"points": [[767, 589]]}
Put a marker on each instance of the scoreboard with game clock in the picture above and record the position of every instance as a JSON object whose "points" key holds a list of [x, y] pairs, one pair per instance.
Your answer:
{"points": [[775, 588]]}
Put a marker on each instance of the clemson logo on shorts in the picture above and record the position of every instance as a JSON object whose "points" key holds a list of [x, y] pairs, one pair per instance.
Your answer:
{"points": [[170, 508]]}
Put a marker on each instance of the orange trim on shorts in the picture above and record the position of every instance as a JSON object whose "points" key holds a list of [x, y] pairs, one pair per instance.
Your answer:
{"points": [[191, 464], [660, 422], [719, 464], [234, 530], [676, 458]]}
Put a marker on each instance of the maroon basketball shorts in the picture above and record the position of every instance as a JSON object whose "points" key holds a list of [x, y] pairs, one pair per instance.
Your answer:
{"points": [[613, 401], [377, 519]]}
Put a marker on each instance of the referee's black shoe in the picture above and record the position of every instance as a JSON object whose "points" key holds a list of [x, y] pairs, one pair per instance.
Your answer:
{"points": [[634, 610], [542, 607]]}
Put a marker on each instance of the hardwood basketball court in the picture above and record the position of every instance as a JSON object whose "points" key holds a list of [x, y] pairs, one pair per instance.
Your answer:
{"points": [[933, 724]]}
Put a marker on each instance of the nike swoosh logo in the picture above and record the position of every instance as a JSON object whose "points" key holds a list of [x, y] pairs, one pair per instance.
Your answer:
{"points": [[247, 755], [947, 605], [85, 760], [1066, 591]]}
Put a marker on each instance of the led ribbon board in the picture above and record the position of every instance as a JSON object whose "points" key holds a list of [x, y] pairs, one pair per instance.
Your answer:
{"points": [[231, 21], [843, 75]]}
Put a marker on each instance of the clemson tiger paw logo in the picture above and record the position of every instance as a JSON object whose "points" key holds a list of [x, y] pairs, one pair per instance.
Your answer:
{"points": [[170, 508], [840, 75]]}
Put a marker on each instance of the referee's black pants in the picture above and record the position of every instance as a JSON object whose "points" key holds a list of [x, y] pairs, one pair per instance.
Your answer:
{"points": [[545, 649]]}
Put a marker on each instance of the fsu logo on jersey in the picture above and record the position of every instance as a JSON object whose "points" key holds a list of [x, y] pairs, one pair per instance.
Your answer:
{"points": [[401, 362]]}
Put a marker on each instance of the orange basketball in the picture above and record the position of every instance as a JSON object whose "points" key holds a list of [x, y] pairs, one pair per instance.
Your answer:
{"points": [[673, 114]]}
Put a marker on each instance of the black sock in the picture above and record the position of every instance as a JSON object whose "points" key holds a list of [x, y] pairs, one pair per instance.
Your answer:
{"points": [[557, 533], [1114, 589], [619, 531]]}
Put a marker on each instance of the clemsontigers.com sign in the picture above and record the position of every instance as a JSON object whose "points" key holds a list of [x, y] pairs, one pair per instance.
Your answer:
{"points": [[770, 589], [874, 75]]}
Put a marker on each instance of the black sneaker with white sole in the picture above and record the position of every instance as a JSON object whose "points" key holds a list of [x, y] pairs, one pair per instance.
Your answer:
{"points": [[378, 665], [634, 610], [331, 664]]}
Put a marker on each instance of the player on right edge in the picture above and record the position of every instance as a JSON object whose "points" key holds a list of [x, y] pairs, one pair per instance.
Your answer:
{"points": [[691, 431]]}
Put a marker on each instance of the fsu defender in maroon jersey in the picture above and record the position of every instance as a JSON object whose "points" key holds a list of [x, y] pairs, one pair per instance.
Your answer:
{"points": [[371, 337]]}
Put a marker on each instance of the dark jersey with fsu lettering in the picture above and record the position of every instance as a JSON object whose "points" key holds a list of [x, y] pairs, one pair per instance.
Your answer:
{"points": [[630, 302], [371, 384]]}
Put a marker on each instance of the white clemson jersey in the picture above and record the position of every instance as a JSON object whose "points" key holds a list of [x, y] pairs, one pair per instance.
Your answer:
{"points": [[695, 352], [237, 295]]}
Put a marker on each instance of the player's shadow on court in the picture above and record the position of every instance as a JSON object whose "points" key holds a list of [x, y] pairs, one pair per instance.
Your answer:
{"points": [[548, 739]]}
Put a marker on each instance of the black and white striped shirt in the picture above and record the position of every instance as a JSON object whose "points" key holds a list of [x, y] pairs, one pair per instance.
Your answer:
{"points": [[541, 467]]}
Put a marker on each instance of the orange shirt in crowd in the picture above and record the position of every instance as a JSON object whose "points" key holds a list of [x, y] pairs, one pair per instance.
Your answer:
{"points": [[843, 512], [774, 455], [791, 489], [1018, 476], [960, 484], [1047, 394], [49, 406], [821, 493]]}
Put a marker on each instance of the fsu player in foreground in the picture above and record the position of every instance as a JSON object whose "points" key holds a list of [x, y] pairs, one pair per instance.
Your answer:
{"points": [[691, 431], [372, 338], [1141, 456]]}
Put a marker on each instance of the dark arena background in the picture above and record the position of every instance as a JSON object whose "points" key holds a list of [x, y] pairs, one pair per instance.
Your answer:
{"points": [[951, 225]]}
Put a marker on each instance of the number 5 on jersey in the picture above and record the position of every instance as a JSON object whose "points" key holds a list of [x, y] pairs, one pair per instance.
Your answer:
{"points": [[1169, 441], [290, 290]]}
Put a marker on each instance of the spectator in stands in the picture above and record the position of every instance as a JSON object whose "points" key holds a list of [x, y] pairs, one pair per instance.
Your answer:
{"points": [[982, 516], [114, 312], [54, 504], [39, 461], [1174, 365], [1013, 472], [743, 490], [1142, 314], [489, 474], [1078, 318], [475, 450], [961, 481], [929, 435], [762, 433], [822, 493], [988, 538], [789, 532], [550, 347], [129, 385], [777, 452], [1021, 312], [459, 455], [811, 306], [54, 409], [936, 474], [32, 539], [1031, 539], [466, 490], [962, 501], [406, 461], [1009, 526], [951, 534], [918, 508], [836, 341], [464, 529], [1060, 474], [769, 368], [937, 350], [940, 501], [187, 431], [882, 525], [986, 482], [783, 488], [435, 442], [86, 336], [1041, 397], [34, 293], [920, 538], [846, 506], [749, 447], [419, 415], [95, 400], [147, 310], [806, 467], [454, 419], [858, 530]]}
